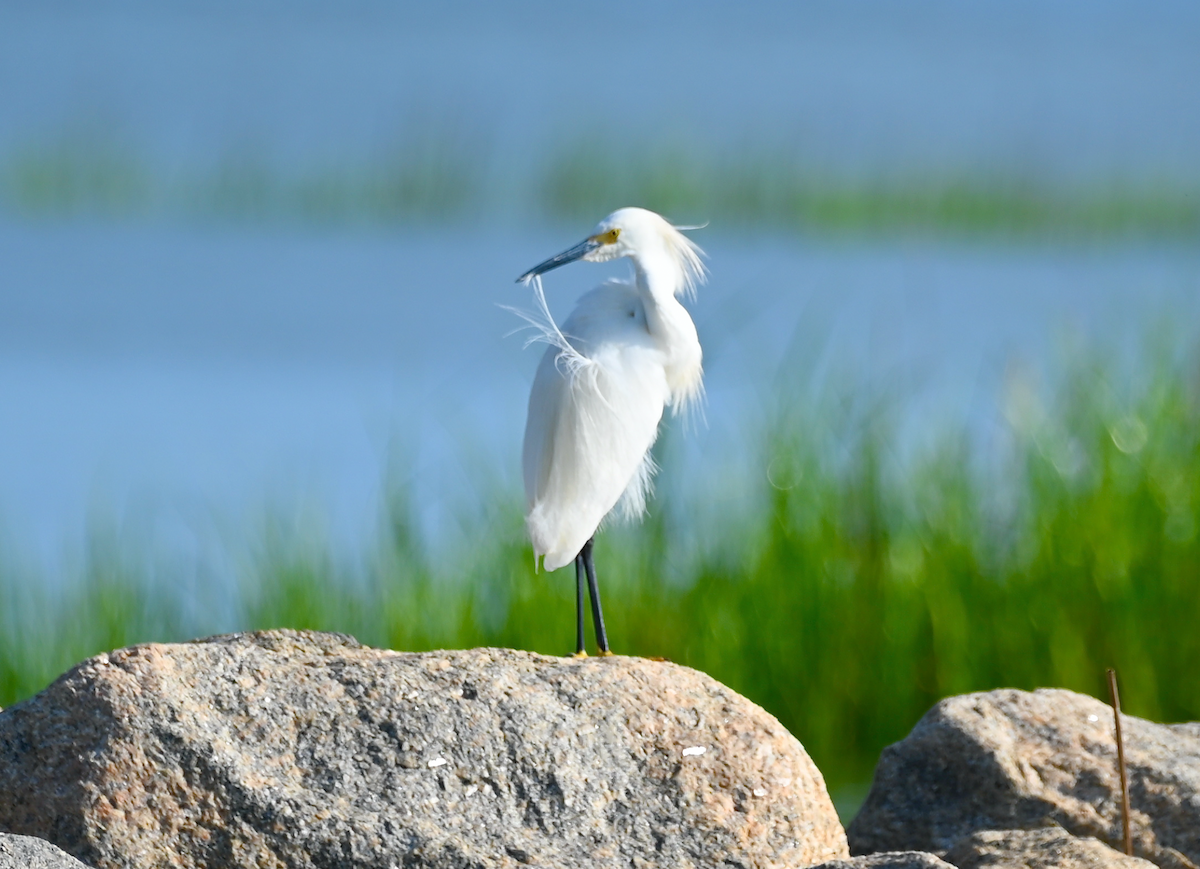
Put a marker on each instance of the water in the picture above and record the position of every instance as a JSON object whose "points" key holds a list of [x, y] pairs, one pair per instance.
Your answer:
{"points": [[179, 379], [155, 374], [1103, 88]]}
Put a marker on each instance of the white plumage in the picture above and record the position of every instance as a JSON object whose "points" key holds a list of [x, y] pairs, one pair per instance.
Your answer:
{"points": [[627, 351]]}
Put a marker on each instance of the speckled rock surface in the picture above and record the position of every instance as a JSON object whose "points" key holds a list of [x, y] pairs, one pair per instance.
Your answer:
{"points": [[26, 852], [294, 749], [1006, 760], [1052, 848], [889, 860]]}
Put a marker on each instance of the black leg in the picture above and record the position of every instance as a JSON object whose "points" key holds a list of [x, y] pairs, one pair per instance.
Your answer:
{"points": [[580, 646], [594, 594]]}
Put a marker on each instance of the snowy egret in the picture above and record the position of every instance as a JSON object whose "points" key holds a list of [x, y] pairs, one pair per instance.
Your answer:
{"points": [[628, 350]]}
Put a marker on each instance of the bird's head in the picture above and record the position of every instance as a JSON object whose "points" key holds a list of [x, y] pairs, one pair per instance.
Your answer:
{"points": [[640, 234]]}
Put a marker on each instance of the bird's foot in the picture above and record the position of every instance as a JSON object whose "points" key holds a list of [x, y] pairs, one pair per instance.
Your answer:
{"points": [[606, 653], [580, 654]]}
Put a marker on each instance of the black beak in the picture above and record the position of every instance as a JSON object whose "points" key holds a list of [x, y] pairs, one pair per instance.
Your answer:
{"points": [[567, 256]]}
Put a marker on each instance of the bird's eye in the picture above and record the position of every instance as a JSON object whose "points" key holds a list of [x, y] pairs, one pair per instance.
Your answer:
{"points": [[608, 237]]}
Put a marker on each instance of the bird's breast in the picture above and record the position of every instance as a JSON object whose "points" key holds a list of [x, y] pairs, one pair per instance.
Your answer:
{"points": [[630, 331]]}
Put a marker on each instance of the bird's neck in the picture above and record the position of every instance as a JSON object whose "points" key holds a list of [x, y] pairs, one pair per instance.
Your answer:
{"points": [[659, 278]]}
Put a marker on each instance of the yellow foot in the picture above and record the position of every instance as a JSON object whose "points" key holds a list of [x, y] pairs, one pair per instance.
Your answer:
{"points": [[607, 653], [580, 654]]}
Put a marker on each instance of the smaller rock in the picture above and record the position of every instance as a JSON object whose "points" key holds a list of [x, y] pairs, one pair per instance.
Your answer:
{"points": [[1050, 848], [1019, 760], [27, 852], [889, 860]]}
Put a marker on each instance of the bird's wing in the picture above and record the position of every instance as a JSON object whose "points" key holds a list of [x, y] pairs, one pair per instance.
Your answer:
{"points": [[591, 423]]}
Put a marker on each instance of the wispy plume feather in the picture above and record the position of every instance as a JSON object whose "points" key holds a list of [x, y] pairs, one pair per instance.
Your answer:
{"points": [[689, 255], [546, 331]]}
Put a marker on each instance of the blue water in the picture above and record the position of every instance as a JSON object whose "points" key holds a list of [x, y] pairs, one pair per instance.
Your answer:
{"points": [[180, 382], [1094, 87], [206, 375]]}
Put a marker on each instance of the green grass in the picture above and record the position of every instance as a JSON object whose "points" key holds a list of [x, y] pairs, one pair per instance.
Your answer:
{"points": [[756, 188], [67, 179], [440, 171], [431, 175], [867, 581]]}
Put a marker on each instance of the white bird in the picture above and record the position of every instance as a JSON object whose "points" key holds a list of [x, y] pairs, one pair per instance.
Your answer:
{"points": [[628, 350]]}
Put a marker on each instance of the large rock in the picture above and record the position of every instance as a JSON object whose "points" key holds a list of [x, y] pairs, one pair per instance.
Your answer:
{"points": [[1009, 759], [288, 749], [26, 852], [1052, 848]]}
